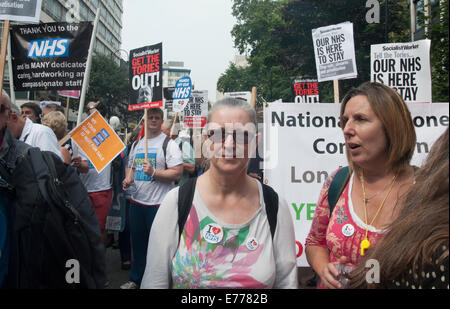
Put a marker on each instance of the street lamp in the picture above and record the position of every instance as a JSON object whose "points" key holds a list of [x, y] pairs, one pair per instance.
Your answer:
{"points": [[120, 57]]}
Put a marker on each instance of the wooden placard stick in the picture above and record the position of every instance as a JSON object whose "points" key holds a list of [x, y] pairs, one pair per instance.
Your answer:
{"points": [[5, 35], [336, 90], [145, 134], [253, 98]]}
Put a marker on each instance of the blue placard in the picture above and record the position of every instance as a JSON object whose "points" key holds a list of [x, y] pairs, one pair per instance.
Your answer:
{"points": [[183, 88]]}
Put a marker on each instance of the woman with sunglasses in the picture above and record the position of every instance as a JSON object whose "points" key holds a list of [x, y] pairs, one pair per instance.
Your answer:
{"points": [[226, 241]]}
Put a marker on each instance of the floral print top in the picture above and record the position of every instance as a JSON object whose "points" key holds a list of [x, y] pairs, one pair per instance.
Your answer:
{"points": [[343, 232], [215, 254]]}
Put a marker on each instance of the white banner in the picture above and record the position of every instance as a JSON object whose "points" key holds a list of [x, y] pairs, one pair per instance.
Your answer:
{"points": [[335, 52], [304, 144], [404, 67]]}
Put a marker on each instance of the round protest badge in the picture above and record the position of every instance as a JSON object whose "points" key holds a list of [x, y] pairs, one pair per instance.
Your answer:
{"points": [[213, 233], [348, 230], [252, 244]]}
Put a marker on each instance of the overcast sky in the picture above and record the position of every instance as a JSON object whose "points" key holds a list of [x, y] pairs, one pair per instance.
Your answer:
{"points": [[197, 32]]}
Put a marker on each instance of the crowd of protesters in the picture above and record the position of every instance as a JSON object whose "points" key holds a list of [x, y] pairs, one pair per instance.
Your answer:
{"points": [[207, 221]]}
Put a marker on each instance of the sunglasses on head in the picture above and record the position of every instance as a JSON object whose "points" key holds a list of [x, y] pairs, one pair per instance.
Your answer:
{"points": [[240, 137]]}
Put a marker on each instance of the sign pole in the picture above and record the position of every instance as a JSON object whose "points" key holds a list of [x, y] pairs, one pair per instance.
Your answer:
{"points": [[336, 90], [5, 35], [173, 124], [88, 68], [10, 70], [145, 133], [67, 109], [253, 98]]}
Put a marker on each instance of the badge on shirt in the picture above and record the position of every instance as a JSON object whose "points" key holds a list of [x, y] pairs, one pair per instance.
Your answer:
{"points": [[348, 230], [213, 233], [252, 244]]}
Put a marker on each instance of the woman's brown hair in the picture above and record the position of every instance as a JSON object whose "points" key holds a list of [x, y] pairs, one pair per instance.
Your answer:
{"points": [[421, 228], [393, 113]]}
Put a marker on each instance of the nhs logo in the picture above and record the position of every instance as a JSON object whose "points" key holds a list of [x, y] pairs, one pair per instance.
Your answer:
{"points": [[48, 48]]}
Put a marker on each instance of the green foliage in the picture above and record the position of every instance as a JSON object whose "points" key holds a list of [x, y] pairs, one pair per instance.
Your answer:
{"points": [[109, 85], [276, 37], [438, 34]]}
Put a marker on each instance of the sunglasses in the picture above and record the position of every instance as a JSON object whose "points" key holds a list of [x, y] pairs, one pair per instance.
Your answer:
{"points": [[240, 137]]}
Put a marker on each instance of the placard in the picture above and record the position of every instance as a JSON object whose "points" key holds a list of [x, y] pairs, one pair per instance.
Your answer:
{"points": [[146, 86], [50, 56], [196, 112], [305, 90], [404, 67], [98, 140], [335, 52], [25, 11]]}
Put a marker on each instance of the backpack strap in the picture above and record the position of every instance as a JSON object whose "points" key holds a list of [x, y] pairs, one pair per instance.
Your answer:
{"points": [[165, 143], [271, 201], [337, 186], [185, 198]]}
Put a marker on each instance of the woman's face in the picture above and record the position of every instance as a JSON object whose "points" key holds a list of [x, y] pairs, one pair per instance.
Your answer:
{"points": [[365, 137], [231, 133]]}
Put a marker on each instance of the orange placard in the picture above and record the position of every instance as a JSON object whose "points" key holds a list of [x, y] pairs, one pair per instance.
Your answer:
{"points": [[98, 140]]}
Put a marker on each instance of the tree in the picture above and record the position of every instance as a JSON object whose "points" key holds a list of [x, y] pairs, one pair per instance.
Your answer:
{"points": [[438, 33], [109, 85], [276, 36]]}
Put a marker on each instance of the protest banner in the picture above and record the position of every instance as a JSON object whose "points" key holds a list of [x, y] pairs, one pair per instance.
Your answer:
{"points": [[146, 87], [50, 56], [181, 93], [404, 67], [334, 52], [304, 144], [95, 137], [242, 95], [27, 11], [305, 90], [196, 112]]}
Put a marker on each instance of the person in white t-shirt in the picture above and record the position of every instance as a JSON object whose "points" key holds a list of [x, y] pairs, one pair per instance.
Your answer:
{"points": [[98, 185], [36, 135], [151, 179]]}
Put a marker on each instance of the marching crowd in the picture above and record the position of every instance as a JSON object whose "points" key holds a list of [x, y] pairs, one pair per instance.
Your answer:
{"points": [[207, 221]]}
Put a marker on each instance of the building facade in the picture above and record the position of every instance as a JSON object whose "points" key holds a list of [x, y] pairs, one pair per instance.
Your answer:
{"points": [[172, 71], [109, 31]]}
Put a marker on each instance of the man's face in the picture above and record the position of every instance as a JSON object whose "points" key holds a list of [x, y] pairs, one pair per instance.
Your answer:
{"points": [[145, 95], [29, 113], [154, 122]]}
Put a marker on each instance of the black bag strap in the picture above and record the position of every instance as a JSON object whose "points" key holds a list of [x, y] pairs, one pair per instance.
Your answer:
{"points": [[44, 167], [337, 186], [165, 143], [186, 196], [271, 201]]}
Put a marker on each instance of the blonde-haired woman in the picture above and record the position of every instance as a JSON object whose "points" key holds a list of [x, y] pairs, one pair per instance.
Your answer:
{"points": [[57, 122]]}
